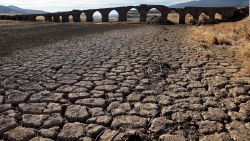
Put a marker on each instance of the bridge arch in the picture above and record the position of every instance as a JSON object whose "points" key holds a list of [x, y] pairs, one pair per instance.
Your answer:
{"points": [[218, 16], [153, 12], [188, 18], [70, 18], [114, 15], [133, 15], [173, 16], [83, 17], [40, 18], [97, 16], [203, 15]]}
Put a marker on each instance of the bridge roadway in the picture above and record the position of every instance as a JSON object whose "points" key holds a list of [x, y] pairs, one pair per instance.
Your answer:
{"points": [[226, 12]]}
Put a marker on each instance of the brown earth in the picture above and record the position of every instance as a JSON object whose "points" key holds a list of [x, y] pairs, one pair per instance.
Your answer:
{"points": [[111, 82]]}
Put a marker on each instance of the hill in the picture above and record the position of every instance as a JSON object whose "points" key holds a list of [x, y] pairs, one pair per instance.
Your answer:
{"points": [[9, 10], [214, 3]]}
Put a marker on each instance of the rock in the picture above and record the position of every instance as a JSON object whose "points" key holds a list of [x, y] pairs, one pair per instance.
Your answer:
{"points": [[236, 91], [217, 137], [206, 127], [215, 114], [129, 121], [86, 139], [108, 135], [146, 109], [40, 139], [31, 87], [50, 132], [7, 124], [16, 97], [104, 120], [20, 134], [107, 88], [93, 130], [169, 137], [76, 113], [92, 102], [96, 112], [76, 96], [72, 131], [160, 124], [134, 97], [54, 120], [239, 131], [33, 120], [5, 107]]}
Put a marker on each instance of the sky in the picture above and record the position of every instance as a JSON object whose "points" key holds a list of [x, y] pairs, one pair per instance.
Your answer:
{"points": [[67, 5]]}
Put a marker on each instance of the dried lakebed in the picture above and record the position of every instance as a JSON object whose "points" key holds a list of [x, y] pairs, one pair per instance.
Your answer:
{"points": [[144, 83]]}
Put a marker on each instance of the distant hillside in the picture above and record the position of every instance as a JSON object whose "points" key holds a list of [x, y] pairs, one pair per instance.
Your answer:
{"points": [[214, 3], [16, 10]]}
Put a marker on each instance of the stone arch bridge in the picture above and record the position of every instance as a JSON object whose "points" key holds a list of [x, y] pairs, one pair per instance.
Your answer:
{"points": [[226, 12]]}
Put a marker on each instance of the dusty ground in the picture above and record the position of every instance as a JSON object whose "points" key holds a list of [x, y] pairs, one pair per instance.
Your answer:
{"points": [[118, 82]]}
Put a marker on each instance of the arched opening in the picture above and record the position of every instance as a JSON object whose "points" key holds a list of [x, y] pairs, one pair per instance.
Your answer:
{"points": [[113, 16], [52, 19], [40, 18], [152, 14], [218, 16], [188, 18], [173, 17], [97, 16], [203, 15], [133, 15], [70, 18], [83, 17], [60, 17]]}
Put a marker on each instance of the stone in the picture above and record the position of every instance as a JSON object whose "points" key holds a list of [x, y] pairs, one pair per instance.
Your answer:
{"points": [[20, 134], [7, 124], [107, 88], [40, 139], [92, 102], [50, 132], [146, 109], [86, 139], [165, 100], [239, 131], [33, 120], [169, 137], [108, 135], [96, 112], [31, 87], [76, 113], [5, 107], [54, 120], [86, 84], [129, 121], [134, 97], [93, 130], [207, 127], [236, 91], [72, 131], [76, 96], [215, 114], [217, 137], [16, 97], [104, 120], [160, 124]]}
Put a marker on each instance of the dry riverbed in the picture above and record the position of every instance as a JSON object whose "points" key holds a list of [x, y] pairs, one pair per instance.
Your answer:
{"points": [[118, 82]]}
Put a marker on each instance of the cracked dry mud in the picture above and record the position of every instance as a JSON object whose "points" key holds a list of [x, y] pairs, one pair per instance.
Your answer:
{"points": [[148, 83]]}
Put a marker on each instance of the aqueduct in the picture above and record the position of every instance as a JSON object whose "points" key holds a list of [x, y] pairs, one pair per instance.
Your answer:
{"points": [[195, 12]]}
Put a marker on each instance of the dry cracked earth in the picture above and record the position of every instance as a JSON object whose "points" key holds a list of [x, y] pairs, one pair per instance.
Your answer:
{"points": [[144, 83]]}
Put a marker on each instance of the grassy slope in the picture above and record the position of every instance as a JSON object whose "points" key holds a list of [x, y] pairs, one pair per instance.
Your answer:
{"points": [[237, 35]]}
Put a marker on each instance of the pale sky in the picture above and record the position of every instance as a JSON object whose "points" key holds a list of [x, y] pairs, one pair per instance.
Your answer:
{"points": [[67, 5]]}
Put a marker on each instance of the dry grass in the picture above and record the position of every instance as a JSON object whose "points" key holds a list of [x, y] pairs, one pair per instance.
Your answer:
{"points": [[236, 34]]}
